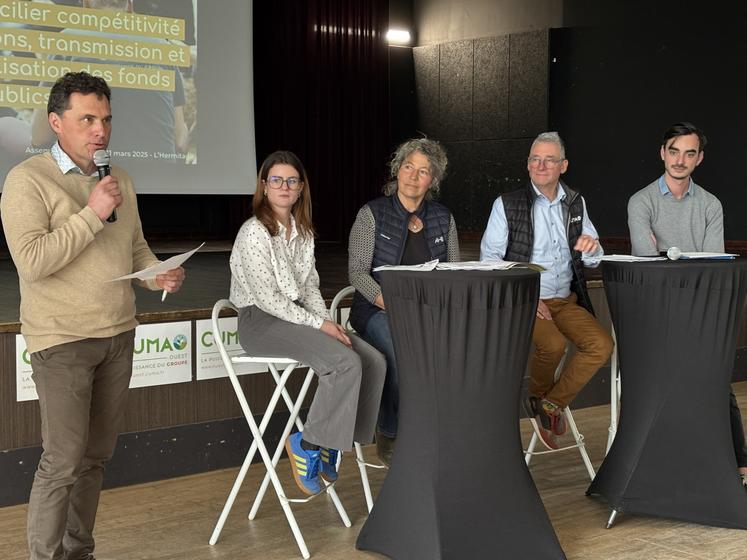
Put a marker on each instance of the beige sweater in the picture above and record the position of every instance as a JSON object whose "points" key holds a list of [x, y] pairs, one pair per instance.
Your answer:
{"points": [[65, 254]]}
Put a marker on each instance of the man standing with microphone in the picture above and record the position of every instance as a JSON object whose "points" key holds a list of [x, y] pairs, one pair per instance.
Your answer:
{"points": [[79, 328], [101, 161]]}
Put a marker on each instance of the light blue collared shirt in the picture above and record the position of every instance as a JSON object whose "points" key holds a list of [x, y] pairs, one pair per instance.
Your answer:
{"points": [[550, 242], [64, 162], [664, 189]]}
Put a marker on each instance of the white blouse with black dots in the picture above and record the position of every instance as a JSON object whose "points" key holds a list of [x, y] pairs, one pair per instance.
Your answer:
{"points": [[276, 275]]}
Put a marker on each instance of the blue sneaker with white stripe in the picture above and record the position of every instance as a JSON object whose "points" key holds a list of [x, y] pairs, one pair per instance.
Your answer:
{"points": [[329, 464], [305, 464]]}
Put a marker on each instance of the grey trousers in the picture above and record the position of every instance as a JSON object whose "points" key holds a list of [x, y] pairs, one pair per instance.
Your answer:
{"points": [[82, 388], [346, 403]]}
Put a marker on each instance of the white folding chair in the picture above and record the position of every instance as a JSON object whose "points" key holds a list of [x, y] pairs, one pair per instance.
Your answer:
{"points": [[257, 432], [362, 464], [578, 437], [615, 392]]}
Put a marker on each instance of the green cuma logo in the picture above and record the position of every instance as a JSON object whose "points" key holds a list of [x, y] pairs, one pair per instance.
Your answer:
{"points": [[180, 342], [151, 345]]}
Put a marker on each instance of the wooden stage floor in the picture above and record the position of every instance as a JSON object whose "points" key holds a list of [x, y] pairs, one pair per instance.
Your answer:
{"points": [[173, 519], [208, 280]]}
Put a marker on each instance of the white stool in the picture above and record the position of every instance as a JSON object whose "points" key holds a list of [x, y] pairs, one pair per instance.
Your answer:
{"points": [[578, 437], [362, 464], [615, 392], [257, 432]]}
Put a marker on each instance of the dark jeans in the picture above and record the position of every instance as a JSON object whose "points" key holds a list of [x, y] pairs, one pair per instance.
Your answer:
{"points": [[737, 432], [378, 335]]}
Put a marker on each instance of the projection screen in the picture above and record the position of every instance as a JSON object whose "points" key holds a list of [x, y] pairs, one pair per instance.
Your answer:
{"points": [[181, 78]]}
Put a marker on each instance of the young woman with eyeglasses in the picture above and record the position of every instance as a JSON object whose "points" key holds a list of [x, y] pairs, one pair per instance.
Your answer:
{"points": [[275, 286]]}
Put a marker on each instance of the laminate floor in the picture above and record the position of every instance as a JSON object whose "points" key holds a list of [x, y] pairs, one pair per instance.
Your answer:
{"points": [[173, 519], [208, 279]]}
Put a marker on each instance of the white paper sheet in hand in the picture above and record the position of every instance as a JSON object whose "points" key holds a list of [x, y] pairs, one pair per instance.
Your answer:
{"points": [[160, 268]]}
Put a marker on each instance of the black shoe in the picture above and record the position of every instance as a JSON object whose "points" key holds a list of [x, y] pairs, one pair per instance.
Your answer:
{"points": [[533, 409], [530, 406], [384, 447]]}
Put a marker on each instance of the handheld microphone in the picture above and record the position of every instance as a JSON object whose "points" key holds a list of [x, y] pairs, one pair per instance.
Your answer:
{"points": [[101, 161], [674, 253]]}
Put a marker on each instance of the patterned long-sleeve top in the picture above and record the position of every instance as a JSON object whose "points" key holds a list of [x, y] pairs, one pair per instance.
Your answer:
{"points": [[276, 275]]}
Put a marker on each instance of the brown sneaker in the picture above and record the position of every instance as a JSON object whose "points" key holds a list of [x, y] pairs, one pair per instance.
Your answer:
{"points": [[534, 409], [384, 447], [548, 437], [554, 413]]}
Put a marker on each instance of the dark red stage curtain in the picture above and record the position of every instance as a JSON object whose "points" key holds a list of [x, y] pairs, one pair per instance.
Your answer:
{"points": [[321, 85]]}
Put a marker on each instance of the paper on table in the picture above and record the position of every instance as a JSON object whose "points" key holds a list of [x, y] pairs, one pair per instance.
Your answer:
{"points": [[487, 265], [626, 258], [701, 255], [464, 265], [430, 265], [474, 265], [533, 266], [160, 268]]}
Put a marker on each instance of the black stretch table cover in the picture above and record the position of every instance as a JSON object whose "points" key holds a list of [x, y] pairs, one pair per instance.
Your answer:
{"points": [[458, 486], [676, 325]]}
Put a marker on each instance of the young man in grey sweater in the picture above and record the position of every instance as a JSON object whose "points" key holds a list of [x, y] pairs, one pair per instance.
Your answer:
{"points": [[673, 211]]}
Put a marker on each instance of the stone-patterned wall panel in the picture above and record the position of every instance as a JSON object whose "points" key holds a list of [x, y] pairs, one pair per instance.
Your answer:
{"points": [[427, 86], [457, 186], [490, 112], [455, 101], [528, 84], [497, 166]]}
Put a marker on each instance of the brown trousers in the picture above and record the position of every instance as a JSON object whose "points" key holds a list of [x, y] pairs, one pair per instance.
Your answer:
{"points": [[82, 388], [570, 322]]}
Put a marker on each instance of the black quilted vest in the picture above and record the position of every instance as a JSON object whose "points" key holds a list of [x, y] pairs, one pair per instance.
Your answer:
{"points": [[391, 220], [518, 206]]}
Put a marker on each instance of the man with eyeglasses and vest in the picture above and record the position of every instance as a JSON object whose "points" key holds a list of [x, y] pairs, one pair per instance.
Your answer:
{"points": [[546, 223]]}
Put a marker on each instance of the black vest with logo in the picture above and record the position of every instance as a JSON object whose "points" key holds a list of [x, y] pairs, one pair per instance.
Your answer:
{"points": [[518, 206], [391, 220]]}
